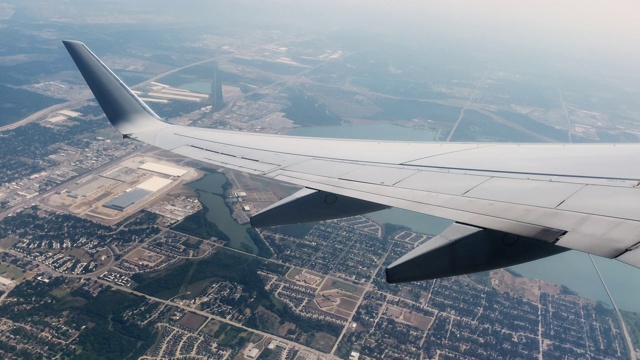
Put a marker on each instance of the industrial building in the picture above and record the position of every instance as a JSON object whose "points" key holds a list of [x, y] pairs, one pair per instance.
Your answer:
{"points": [[163, 169], [154, 184], [127, 199], [90, 186], [6, 284]]}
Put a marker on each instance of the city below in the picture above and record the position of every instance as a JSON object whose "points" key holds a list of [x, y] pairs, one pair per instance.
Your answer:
{"points": [[111, 249]]}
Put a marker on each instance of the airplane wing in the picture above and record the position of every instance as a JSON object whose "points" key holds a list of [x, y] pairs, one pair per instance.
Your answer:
{"points": [[511, 203]]}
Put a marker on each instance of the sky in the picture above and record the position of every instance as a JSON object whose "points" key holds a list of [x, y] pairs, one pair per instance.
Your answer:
{"points": [[583, 29], [597, 29]]}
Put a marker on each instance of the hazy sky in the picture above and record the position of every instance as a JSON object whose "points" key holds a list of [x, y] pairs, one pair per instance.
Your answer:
{"points": [[572, 23], [607, 32], [589, 28]]}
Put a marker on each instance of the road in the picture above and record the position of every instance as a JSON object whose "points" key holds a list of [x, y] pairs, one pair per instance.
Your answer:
{"points": [[368, 288], [83, 98], [630, 347], [94, 276], [566, 115], [472, 98], [470, 105], [42, 114], [200, 312]]}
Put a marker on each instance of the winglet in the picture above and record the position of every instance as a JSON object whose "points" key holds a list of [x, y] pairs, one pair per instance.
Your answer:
{"points": [[123, 108]]}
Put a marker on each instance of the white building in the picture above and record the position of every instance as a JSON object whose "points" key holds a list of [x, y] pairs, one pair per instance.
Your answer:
{"points": [[6, 284]]}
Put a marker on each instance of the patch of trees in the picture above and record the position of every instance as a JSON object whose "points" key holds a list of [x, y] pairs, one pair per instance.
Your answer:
{"points": [[234, 267], [297, 231], [197, 225], [390, 229], [308, 111], [112, 336], [567, 291], [263, 249], [35, 225], [190, 245]]}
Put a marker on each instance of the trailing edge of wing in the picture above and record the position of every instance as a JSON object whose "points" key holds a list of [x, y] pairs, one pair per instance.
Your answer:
{"points": [[123, 108]]}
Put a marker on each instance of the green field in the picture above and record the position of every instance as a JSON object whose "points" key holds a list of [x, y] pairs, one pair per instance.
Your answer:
{"points": [[344, 286], [11, 272], [323, 342], [293, 273]]}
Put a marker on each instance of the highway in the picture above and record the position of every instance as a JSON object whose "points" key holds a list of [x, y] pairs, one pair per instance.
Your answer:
{"points": [[86, 96]]}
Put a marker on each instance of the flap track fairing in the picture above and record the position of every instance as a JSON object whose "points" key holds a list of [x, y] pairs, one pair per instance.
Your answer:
{"points": [[463, 249], [312, 205]]}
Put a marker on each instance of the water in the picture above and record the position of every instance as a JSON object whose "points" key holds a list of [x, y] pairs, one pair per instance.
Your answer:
{"points": [[211, 195], [201, 87], [211, 183], [384, 131], [575, 270], [572, 269], [417, 222]]}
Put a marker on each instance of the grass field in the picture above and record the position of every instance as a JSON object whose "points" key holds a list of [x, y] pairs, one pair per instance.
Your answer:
{"points": [[69, 302], [59, 292], [293, 273], [194, 290], [9, 241], [11, 272], [323, 342], [211, 327], [192, 321], [344, 286]]}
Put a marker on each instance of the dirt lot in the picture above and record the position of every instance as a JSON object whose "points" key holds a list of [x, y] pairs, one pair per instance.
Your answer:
{"points": [[192, 321], [417, 320], [143, 257], [323, 342], [347, 304]]}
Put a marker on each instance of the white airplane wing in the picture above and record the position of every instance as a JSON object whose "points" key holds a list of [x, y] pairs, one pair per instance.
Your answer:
{"points": [[511, 203]]}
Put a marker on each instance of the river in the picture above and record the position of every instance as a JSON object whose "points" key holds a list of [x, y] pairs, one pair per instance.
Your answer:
{"points": [[211, 195]]}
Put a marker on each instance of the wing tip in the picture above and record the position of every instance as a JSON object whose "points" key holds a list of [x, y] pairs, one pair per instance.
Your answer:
{"points": [[123, 108], [71, 44]]}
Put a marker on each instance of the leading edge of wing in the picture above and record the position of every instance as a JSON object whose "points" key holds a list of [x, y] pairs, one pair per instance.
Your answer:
{"points": [[133, 118], [126, 112]]}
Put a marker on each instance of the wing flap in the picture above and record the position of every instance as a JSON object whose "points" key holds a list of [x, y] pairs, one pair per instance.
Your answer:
{"points": [[631, 257], [219, 159], [546, 194], [381, 175], [604, 236], [439, 205], [441, 182], [620, 202]]}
